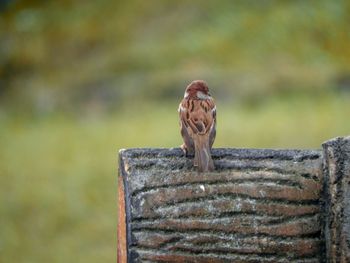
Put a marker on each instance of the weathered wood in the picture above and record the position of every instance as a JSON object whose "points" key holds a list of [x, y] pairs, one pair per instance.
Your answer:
{"points": [[121, 229], [258, 206], [337, 199]]}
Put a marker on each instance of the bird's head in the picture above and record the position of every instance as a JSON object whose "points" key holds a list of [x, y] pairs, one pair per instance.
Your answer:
{"points": [[197, 89]]}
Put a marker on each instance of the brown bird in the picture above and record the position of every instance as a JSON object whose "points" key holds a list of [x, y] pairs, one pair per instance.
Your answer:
{"points": [[197, 113]]}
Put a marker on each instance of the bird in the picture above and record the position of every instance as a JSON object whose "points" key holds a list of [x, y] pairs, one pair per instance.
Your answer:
{"points": [[197, 112]]}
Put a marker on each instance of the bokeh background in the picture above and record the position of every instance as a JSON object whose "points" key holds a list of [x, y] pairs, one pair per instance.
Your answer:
{"points": [[81, 79]]}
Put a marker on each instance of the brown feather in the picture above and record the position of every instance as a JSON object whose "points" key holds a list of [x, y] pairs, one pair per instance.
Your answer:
{"points": [[198, 125]]}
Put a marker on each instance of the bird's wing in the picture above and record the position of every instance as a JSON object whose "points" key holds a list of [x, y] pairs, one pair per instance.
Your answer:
{"points": [[188, 141], [212, 131]]}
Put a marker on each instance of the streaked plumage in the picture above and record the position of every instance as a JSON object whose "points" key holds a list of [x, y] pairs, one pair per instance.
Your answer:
{"points": [[197, 113]]}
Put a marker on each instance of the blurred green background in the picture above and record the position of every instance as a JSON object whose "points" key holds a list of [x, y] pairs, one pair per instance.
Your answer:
{"points": [[81, 79]]}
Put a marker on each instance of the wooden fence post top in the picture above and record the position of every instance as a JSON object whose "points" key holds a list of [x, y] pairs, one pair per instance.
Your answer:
{"points": [[223, 152]]}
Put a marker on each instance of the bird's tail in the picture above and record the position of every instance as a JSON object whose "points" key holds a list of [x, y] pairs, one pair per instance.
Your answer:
{"points": [[202, 156]]}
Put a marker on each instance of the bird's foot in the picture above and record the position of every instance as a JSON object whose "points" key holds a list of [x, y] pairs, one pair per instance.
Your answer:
{"points": [[186, 151]]}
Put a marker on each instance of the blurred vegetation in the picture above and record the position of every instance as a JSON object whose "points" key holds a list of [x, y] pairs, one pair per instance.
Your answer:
{"points": [[81, 79]]}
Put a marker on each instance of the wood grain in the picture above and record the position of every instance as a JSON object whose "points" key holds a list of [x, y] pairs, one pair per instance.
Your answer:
{"points": [[337, 199], [258, 206], [121, 228]]}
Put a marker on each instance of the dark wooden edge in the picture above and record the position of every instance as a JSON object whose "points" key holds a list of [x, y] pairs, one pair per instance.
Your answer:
{"points": [[326, 202]]}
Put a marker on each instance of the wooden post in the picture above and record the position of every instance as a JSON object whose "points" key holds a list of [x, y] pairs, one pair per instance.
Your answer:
{"points": [[337, 199], [258, 206]]}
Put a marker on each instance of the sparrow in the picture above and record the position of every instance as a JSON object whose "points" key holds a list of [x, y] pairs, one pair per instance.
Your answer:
{"points": [[197, 113]]}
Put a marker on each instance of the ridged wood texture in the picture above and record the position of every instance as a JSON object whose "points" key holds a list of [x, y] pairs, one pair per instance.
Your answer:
{"points": [[258, 206], [337, 196]]}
